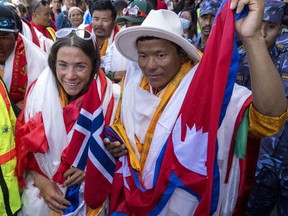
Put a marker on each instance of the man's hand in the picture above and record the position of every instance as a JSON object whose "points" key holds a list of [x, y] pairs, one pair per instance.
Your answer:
{"points": [[115, 148], [266, 84], [74, 176], [249, 26]]}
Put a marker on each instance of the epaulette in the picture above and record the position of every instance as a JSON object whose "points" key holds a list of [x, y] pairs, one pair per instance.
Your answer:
{"points": [[241, 50], [282, 48]]}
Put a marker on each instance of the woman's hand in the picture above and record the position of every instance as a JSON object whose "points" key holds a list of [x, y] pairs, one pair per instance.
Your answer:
{"points": [[115, 148], [50, 192], [74, 176]]}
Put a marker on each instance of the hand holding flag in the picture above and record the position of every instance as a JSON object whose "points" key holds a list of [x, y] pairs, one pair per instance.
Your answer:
{"points": [[249, 25]]}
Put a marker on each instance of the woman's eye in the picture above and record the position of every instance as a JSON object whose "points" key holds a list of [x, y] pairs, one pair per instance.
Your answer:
{"points": [[61, 65], [81, 66]]}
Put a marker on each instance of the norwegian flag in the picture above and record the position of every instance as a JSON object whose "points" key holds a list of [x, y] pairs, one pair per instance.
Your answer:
{"points": [[188, 159], [86, 151], [100, 163]]}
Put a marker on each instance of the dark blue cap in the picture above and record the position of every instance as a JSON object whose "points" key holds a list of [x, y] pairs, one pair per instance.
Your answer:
{"points": [[273, 11], [7, 20], [209, 7]]}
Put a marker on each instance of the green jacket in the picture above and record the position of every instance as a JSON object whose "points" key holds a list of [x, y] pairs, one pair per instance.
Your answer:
{"points": [[9, 189]]}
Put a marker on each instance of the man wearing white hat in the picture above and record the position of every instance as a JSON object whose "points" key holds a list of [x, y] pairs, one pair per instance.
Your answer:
{"points": [[178, 154]]}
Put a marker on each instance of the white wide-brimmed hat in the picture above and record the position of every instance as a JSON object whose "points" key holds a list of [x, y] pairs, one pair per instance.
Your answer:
{"points": [[163, 24]]}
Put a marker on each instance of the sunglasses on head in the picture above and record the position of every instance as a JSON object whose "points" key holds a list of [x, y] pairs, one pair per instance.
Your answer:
{"points": [[82, 33], [134, 11]]}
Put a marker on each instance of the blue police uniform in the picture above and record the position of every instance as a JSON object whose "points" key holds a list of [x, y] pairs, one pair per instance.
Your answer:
{"points": [[271, 183]]}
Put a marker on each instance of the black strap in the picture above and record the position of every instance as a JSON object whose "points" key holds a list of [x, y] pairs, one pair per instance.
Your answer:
{"points": [[5, 193]]}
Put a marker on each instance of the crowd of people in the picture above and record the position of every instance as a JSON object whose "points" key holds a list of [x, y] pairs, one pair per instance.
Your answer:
{"points": [[153, 107]]}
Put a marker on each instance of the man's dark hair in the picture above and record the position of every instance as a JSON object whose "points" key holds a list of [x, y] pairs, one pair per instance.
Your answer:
{"points": [[102, 5], [34, 5]]}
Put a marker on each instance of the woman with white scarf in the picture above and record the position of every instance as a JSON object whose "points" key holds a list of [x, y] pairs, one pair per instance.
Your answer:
{"points": [[52, 146]]}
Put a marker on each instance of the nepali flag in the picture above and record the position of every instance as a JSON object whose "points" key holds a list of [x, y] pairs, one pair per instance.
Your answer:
{"points": [[210, 93], [188, 160]]}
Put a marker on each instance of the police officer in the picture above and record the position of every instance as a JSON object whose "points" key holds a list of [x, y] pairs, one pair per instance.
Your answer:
{"points": [[208, 10], [271, 185], [271, 29]]}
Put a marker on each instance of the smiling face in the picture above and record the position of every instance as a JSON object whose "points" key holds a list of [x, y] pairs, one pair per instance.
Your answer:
{"points": [[159, 61], [76, 18], [73, 70]]}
